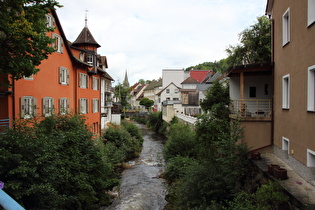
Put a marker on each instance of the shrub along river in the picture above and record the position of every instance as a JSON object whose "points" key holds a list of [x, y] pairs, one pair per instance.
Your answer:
{"points": [[141, 186]]}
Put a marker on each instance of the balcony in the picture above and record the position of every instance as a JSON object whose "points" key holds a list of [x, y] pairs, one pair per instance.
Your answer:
{"points": [[251, 109], [4, 124], [108, 103]]}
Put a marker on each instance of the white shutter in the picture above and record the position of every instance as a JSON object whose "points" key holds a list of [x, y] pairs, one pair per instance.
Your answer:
{"points": [[22, 110]]}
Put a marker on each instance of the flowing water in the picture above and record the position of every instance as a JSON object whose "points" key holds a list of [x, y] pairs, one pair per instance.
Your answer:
{"points": [[141, 187]]}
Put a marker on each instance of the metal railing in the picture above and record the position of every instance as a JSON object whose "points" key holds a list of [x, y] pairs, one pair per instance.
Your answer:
{"points": [[4, 124], [189, 119], [251, 107]]}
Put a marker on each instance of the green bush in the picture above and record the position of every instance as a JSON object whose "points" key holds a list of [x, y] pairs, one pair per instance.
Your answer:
{"points": [[123, 142], [54, 164], [177, 167], [268, 196], [156, 123], [181, 141]]}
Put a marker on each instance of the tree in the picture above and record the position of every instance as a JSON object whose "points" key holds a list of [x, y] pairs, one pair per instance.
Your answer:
{"points": [[217, 100], [23, 40], [146, 102], [122, 93], [141, 81], [255, 44], [217, 66]]}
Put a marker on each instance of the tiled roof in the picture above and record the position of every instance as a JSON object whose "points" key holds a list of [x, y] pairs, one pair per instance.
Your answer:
{"points": [[153, 84], [190, 80], [199, 75], [85, 37]]}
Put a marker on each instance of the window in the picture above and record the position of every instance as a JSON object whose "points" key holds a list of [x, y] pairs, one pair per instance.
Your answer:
{"points": [[286, 92], [176, 90], [310, 12], [84, 80], [252, 92], [167, 90], [89, 59], [63, 106], [58, 43], [95, 83], [28, 107], [266, 90], [48, 106], [285, 144], [310, 159], [28, 78], [83, 106], [175, 99], [63, 76], [95, 105], [311, 89], [286, 27], [50, 21]]}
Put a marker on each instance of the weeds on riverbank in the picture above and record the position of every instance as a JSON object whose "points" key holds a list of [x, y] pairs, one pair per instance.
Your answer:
{"points": [[208, 167]]}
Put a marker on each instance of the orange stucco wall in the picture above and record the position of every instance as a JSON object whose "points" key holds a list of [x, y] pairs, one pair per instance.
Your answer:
{"points": [[46, 84]]}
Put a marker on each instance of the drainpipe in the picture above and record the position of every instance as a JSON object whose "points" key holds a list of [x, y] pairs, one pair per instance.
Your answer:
{"points": [[13, 101]]}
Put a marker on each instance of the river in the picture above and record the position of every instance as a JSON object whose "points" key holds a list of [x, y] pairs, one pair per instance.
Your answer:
{"points": [[140, 187]]}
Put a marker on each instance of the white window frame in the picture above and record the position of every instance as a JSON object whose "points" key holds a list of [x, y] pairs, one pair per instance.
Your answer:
{"points": [[84, 81], [175, 90], [90, 59], [28, 107], [168, 91], [29, 78], [95, 105], [84, 106], [58, 43], [64, 76], [286, 27], [310, 12], [48, 106], [50, 21], [286, 144], [286, 91], [311, 89], [63, 106], [310, 158], [95, 83]]}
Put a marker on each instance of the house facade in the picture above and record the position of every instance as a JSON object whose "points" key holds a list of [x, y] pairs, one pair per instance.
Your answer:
{"points": [[294, 83], [69, 81], [251, 102]]}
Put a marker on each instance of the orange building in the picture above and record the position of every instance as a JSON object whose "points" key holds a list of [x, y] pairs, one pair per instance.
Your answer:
{"points": [[68, 81]]}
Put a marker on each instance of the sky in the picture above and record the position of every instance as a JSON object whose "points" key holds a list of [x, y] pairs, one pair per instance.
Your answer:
{"points": [[143, 37]]}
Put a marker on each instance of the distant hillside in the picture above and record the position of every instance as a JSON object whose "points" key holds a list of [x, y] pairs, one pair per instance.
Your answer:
{"points": [[215, 66]]}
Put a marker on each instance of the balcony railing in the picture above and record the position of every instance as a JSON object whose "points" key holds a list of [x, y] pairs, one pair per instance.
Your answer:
{"points": [[108, 103], [251, 107], [4, 123]]}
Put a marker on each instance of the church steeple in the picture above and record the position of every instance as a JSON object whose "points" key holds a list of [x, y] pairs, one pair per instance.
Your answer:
{"points": [[126, 82]]}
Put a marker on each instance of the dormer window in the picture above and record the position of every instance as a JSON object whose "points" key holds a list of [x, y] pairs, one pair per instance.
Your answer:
{"points": [[89, 59]]}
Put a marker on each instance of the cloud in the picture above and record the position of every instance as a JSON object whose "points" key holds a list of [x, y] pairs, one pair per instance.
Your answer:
{"points": [[146, 36]]}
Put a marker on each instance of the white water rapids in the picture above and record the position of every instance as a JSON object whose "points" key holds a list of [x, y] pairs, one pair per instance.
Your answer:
{"points": [[141, 188]]}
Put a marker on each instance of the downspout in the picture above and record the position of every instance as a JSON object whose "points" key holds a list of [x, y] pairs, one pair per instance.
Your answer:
{"points": [[272, 80], [13, 102], [272, 90]]}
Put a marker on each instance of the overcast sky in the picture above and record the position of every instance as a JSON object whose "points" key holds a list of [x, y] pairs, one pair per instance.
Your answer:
{"points": [[143, 37]]}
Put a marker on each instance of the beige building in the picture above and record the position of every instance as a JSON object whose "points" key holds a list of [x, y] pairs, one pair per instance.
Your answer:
{"points": [[294, 83]]}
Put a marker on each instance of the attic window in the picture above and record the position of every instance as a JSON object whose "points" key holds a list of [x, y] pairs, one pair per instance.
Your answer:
{"points": [[89, 59]]}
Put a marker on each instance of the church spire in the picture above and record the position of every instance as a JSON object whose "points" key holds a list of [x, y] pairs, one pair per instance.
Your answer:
{"points": [[126, 82]]}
